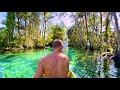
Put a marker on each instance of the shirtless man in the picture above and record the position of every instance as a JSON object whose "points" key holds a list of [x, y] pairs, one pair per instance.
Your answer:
{"points": [[55, 65]]}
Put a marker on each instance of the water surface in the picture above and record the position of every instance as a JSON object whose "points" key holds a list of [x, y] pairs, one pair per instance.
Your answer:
{"points": [[23, 64]]}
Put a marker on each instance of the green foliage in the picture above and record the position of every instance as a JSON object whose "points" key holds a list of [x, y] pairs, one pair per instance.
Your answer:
{"points": [[57, 32], [22, 30], [49, 39], [40, 43], [3, 37], [10, 24], [74, 37], [78, 35], [108, 32]]}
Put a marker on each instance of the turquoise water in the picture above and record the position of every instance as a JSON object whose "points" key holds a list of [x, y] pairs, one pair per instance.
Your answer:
{"points": [[23, 64]]}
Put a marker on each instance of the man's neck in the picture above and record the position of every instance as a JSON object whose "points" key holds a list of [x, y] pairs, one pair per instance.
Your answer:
{"points": [[56, 51]]}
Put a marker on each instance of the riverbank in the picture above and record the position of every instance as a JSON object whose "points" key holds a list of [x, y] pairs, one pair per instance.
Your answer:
{"points": [[65, 44], [19, 49]]}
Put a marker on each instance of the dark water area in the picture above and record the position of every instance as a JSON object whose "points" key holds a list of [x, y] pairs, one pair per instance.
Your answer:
{"points": [[23, 64]]}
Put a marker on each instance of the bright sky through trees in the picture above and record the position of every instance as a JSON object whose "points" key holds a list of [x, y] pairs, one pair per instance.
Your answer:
{"points": [[67, 20]]}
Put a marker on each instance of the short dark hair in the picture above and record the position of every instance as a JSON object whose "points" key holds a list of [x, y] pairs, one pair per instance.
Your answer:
{"points": [[56, 43]]}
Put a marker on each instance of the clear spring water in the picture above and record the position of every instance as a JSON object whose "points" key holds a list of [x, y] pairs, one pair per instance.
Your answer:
{"points": [[23, 64]]}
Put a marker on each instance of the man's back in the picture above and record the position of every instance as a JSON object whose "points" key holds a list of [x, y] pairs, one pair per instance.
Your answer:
{"points": [[55, 66]]}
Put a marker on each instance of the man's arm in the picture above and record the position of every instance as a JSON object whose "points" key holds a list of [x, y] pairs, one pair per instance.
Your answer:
{"points": [[39, 72], [67, 64]]}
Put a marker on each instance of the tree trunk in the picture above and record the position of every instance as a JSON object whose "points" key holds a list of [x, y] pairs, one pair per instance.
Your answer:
{"points": [[19, 26], [44, 27], [10, 25], [80, 35], [18, 21], [92, 41], [101, 32], [25, 25], [107, 24], [85, 22], [118, 33], [106, 30]]}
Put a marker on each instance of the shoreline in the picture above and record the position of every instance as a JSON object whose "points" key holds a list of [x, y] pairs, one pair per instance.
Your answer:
{"points": [[21, 49]]}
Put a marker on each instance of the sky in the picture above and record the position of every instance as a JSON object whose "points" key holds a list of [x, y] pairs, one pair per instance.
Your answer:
{"points": [[67, 20], [2, 17]]}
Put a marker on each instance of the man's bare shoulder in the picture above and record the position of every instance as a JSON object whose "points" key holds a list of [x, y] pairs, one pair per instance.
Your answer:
{"points": [[65, 57], [47, 57], [44, 58]]}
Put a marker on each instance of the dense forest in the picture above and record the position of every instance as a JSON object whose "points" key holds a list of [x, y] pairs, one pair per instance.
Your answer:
{"points": [[22, 30], [91, 30]]}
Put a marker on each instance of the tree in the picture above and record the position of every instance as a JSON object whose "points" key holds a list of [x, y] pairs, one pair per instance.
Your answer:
{"points": [[23, 28], [45, 17], [3, 37], [101, 31], [10, 24], [85, 24], [57, 32], [18, 26], [90, 25]]}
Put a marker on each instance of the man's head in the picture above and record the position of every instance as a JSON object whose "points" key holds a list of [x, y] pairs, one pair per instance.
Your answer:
{"points": [[57, 44]]}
